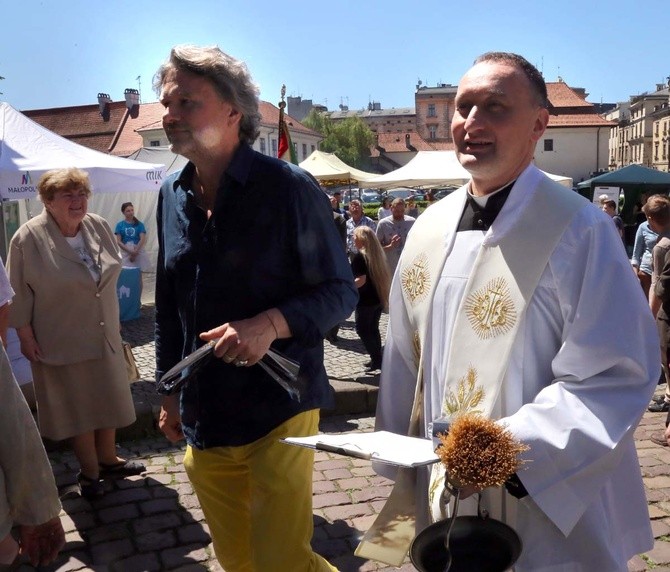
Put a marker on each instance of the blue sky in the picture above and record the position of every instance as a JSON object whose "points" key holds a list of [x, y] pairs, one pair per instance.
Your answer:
{"points": [[55, 53]]}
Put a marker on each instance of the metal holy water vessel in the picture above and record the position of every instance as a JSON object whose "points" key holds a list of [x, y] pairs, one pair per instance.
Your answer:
{"points": [[465, 543]]}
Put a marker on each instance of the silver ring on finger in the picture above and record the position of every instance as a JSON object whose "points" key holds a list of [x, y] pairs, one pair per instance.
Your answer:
{"points": [[241, 362], [228, 359]]}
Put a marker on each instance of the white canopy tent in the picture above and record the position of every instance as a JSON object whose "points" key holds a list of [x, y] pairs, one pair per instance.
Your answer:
{"points": [[27, 150], [427, 168], [328, 167], [161, 155], [432, 168]]}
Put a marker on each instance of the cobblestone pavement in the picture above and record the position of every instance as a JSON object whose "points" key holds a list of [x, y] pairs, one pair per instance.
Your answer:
{"points": [[154, 521]]}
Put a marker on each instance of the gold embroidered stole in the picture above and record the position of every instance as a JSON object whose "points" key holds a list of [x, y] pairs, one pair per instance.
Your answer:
{"points": [[501, 283]]}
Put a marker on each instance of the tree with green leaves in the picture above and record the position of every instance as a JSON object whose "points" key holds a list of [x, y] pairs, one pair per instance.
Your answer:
{"points": [[349, 139]]}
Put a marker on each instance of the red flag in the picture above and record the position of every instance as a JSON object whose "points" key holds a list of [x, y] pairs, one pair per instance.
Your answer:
{"points": [[285, 149]]}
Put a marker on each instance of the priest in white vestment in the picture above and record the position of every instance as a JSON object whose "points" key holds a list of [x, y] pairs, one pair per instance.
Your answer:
{"points": [[576, 377]]}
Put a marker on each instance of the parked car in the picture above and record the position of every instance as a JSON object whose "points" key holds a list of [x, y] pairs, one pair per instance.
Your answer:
{"points": [[368, 196], [443, 192], [400, 193]]}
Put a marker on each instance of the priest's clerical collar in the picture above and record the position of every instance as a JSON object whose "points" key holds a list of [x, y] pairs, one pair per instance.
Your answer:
{"points": [[480, 212]]}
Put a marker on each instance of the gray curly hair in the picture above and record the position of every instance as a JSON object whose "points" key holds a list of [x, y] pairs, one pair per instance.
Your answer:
{"points": [[230, 77]]}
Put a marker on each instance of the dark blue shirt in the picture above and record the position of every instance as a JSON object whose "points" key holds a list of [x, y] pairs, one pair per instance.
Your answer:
{"points": [[270, 242]]}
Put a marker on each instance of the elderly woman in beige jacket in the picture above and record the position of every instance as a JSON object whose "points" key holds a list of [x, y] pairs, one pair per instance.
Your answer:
{"points": [[63, 265]]}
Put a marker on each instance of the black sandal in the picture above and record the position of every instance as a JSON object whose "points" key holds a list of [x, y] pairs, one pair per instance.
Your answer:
{"points": [[90, 488], [121, 469]]}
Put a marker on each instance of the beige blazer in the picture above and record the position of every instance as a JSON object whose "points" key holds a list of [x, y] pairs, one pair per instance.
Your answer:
{"points": [[72, 316]]}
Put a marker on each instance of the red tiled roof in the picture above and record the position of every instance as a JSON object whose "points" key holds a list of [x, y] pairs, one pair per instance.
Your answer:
{"points": [[579, 120], [395, 143], [120, 135], [128, 139], [269, 118], [562, 95], [82, 124]]}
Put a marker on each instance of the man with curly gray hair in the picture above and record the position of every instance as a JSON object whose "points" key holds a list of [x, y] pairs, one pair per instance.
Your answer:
{"points": [[248, 256]]}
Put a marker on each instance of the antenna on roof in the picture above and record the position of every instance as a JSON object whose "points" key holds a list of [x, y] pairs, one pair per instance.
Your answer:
{"points": [[138, 79]]}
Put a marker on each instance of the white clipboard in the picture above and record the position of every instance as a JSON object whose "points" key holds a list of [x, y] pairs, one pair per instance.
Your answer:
{"points": [[382, 446]]}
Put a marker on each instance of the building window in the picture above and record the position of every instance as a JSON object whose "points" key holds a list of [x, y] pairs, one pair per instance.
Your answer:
{"points": [[431, 110], [262, 143], [154, 143], [273, 145], [313, 148], [432, 132], [548, 144], [304, 150]]}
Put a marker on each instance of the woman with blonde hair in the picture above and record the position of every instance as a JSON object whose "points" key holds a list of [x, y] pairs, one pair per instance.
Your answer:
{"points": [[63, 266], [373, 280]]}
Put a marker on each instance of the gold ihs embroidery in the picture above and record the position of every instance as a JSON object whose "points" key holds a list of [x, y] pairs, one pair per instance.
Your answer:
{"points": [[415, 279], [491, 309], [467, 397]]}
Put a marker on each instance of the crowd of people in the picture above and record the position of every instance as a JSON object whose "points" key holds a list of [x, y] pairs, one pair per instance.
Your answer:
{"points": [[499, 299]]}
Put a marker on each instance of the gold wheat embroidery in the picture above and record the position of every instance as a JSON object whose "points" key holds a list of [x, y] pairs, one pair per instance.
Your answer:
{"points": [[415, 279], [490, 309], [416, 348], [467, 397], [438, 478]]}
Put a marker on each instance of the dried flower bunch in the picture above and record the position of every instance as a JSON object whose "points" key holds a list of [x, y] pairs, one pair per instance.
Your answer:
{"points": [[479, 452]]}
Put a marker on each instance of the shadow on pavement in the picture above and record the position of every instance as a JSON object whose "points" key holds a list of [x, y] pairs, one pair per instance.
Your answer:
{"points": [[336, 542], [142, 523]]}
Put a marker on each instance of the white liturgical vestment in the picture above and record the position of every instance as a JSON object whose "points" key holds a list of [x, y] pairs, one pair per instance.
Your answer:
{"points": [[582, 369]]}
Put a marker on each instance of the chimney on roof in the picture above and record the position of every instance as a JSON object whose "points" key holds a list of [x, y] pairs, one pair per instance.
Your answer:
{"points": [[408, 143], [103, 102], [132, 98]]}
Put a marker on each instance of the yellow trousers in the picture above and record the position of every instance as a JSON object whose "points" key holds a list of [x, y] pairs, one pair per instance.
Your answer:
{"points": [[257, 500]]}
